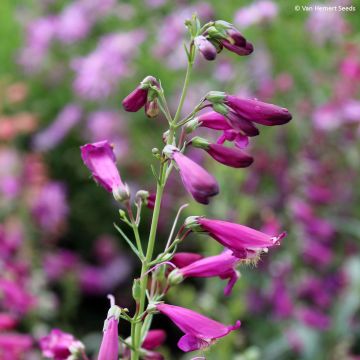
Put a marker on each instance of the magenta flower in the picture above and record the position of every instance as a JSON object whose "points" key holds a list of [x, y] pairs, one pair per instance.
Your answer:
{"points": [[197, 181], [213, 120], [100, 160], [153, 340], [207, 49], [109, 348], [14, 346], [7, 321], [200, 331], [236, 43], [314, 318], [59, 345], [222, 265], [242, 125], [137, 99], [64, 122], [258, 111], [183, 259], [243, 241], [233, 157]]}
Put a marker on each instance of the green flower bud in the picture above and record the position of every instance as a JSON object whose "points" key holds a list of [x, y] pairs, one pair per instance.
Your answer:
{"points": [[136, 290], [200, 143], [220, 108], [216, 96], [175, 277]]}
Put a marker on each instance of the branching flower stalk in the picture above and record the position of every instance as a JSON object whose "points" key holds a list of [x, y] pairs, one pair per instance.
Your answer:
{"points": [[235, 117]]}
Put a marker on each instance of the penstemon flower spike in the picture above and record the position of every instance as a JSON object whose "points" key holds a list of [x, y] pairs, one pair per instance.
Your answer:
{"points": [[235, 118]]}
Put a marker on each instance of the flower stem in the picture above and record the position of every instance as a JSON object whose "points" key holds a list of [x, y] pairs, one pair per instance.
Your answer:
{"points": [[186, 83], [136, 330]]}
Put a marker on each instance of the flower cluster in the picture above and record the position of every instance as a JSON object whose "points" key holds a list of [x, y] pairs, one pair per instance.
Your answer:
{"points": [[234, 116]]}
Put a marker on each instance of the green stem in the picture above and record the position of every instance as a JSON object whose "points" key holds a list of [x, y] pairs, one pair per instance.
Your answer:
{"points": [[136, 331], [186, 83], [135, 229]]}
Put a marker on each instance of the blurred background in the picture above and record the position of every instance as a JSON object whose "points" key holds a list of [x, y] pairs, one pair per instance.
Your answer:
{"points": [[65, 66]]}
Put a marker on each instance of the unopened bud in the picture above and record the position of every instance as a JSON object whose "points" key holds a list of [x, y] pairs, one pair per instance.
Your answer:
{"points": [[136, 290], [175, 277], [122, 193], [192, 125], [216, 96], [200, 143], [152, 108], [148, 81], [141, 196], [220, 108]]}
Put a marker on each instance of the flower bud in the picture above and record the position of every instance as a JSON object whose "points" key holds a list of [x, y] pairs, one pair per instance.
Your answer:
{"points": [[192, 125], [165, 136], [215, 33], [136, 290], [137, 99], [220, 108], [141, 196], [152, 108], [175, 277], [207, 49], [200, 143], [216, 96]]}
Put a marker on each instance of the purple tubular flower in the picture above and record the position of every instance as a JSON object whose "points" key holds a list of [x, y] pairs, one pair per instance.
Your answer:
{"points": [[135, 100], [100, 159], [244, 50], [154, 339], [183, 259], [232, 157], [222, 265], [240, 124], [214, 120], [109, 349], [236, 43], [258, 111], [197, 181], [200, 331], [138, 98], [207, 49], [243, 241]]}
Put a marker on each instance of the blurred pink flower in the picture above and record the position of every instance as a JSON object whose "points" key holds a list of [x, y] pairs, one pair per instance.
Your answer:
{"points": [[58, 345], [98, 74], [255, 13], [51, 136]]}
